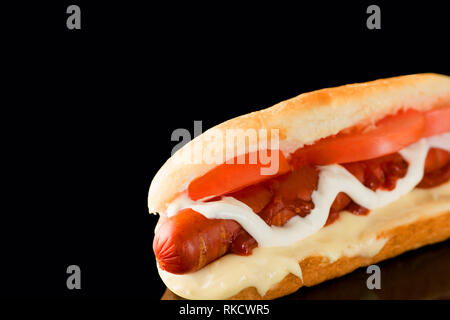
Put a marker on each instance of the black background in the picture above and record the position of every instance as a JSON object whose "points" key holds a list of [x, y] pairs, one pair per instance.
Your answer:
{"points": [[87, 114]]}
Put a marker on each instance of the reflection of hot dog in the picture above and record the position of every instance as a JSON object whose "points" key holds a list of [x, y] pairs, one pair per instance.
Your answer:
{"points": [[188, 241], [361, 148]]}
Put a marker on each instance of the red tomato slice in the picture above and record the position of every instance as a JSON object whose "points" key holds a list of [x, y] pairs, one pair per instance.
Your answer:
{"points": [[437, 121], [389, 135], [227, 178]]}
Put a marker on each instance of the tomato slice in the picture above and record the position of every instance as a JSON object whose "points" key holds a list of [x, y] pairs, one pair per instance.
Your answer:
{"points": [[227, 178], [389, 135], [437, 121]]}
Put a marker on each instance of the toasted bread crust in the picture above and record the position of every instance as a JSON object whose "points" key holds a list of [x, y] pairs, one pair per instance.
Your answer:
{"points": [[306, 118], [317, 269]]}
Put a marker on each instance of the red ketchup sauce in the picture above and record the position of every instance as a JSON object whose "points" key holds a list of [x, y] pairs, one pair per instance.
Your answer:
{"points": [[279, 199]]}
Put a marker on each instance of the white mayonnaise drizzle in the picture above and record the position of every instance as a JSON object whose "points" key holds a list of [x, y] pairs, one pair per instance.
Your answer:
{"points": [[332, 180]]}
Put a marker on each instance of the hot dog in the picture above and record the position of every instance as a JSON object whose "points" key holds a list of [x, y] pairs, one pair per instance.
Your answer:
{"points": [[188, 241], [357, 149]]}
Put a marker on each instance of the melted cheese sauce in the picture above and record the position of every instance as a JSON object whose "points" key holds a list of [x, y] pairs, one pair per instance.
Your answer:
{"points": [[350, 235]]}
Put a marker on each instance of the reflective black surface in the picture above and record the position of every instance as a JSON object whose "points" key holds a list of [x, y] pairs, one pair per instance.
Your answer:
{"points": [[88, 118]]}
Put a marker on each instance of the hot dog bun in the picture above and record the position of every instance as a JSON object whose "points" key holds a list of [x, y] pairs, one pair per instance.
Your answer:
{"points": [[302, 121], [307, 118]]}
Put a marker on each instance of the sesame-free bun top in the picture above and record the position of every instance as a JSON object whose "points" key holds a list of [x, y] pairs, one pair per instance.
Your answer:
{"points": [[303, 120]]}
